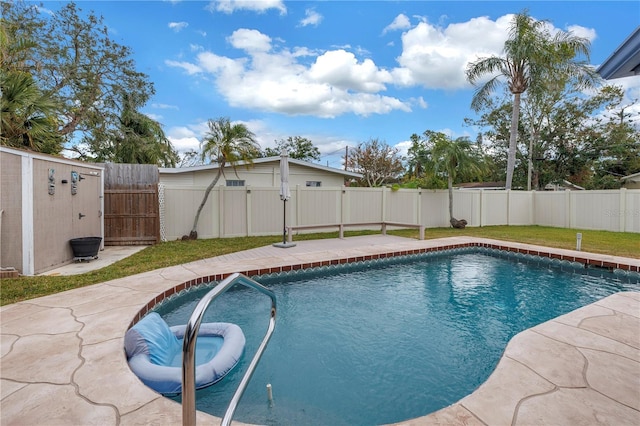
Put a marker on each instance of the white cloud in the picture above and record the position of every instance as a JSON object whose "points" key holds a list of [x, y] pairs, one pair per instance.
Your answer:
{"points": [[579, 31], [44, 10], [221, 65], [302, 51], [437, 57], [251, 41], [341, 69], [419, 101], [189, 68], [403, 148], [184, 144], [300, 81], [401, 22], [156, 117], [311, 18], [178, 26], [274, 80], [183, 138], [260, 6], [164, 106]]}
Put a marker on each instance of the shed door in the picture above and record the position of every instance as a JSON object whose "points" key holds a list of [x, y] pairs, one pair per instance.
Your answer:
{"points": [[86, 206]]}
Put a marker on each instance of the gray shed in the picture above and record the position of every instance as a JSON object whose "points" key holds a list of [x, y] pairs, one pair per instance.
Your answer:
{"points": [[45, 201]]}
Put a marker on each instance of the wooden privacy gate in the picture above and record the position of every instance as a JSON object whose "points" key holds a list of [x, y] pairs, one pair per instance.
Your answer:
{"points": [[131, 205]]}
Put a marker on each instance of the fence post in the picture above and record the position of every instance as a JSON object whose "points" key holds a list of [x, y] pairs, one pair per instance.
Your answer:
{"points": [[298, 206], [482, 212], [567, 209], [28, 237], [220, 211], [248, 203], [419, 206], [508, 207], [384, 204], [623, 210], [532, 207], [343, 195]]}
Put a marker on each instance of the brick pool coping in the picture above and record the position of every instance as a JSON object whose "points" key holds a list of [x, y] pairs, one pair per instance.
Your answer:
{"points": [[585, 258]]}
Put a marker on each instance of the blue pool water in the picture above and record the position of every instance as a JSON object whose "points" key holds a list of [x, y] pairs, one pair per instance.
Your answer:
{"points": [[387, 342]]}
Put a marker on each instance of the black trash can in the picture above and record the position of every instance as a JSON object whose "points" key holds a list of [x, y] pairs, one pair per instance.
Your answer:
{"points": [[86, 247]]}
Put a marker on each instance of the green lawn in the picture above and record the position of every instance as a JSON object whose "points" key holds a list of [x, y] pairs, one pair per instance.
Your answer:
{"points": [[178, 252]]}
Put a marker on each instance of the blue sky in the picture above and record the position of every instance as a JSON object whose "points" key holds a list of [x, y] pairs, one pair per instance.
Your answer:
{"points": [[336, 72]]}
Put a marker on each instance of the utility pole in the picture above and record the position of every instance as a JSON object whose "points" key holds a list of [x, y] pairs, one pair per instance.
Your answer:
{"points": [[346, 156]]}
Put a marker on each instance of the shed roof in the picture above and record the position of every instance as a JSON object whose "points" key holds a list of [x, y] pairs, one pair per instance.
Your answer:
{"points": [[49, 157]]}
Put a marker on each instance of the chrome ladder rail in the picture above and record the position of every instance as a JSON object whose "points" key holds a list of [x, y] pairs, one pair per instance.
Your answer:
{"points": [[189, 349]]}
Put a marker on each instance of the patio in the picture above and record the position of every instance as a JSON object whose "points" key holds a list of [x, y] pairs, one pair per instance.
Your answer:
{"points": [[63, 360]]}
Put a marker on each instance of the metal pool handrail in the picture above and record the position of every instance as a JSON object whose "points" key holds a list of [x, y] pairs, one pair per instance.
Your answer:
{"points": [[189, 349]]}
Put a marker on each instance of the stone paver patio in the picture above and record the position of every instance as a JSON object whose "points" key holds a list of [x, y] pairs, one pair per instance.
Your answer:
{"points": [[62, 359]]}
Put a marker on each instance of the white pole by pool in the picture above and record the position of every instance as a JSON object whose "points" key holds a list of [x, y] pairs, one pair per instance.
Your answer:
{"points": [[578, 240], [269, 393]]}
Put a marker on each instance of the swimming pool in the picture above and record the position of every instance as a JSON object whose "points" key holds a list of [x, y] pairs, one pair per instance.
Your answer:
{"points": [[389, 341]]}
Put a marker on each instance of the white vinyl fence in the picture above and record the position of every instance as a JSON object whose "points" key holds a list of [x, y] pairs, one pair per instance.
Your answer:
{"points": [[252, 211]]}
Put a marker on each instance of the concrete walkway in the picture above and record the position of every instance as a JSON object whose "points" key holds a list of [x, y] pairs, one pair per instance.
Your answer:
{"points": [[108, 256], [62, 357]]}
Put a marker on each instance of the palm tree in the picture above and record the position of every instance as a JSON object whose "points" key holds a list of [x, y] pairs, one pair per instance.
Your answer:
{"points": [[457, 159], [531, 55], [140, 139], [225, 143], [28, 117]]}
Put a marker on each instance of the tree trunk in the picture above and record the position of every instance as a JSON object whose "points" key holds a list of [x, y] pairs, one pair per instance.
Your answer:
{"points": [[450, 182], [193, 234], [513, 138], [532, 142], [455, 223]]}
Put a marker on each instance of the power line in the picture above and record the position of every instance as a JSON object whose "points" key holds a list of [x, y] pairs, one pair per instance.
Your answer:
{"points": [[333, 152]]}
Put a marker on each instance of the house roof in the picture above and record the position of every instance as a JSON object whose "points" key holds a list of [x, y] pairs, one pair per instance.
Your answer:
{"points": [[275, 159], [563, 184], [625, 60], [632, 178], [481, 185]]}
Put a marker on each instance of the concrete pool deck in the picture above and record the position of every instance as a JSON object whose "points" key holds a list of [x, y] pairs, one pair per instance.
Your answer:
{"points": [[62, 358]]}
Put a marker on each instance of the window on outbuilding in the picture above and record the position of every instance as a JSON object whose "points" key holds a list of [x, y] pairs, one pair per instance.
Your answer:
{"points": [[314, 183], [235, 182]]}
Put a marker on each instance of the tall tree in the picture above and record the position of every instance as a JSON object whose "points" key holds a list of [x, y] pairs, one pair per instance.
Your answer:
{"points": [[189, 158], [586, 139], [376, 161], [77, 63], [531, 54], [140, 139], [298, 147], [28, 115], [225, 143], [455, 159], [619, 152], [416, 156]]}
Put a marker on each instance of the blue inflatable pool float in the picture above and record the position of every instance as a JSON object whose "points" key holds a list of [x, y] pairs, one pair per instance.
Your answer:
{"points": [[154, 353]]}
